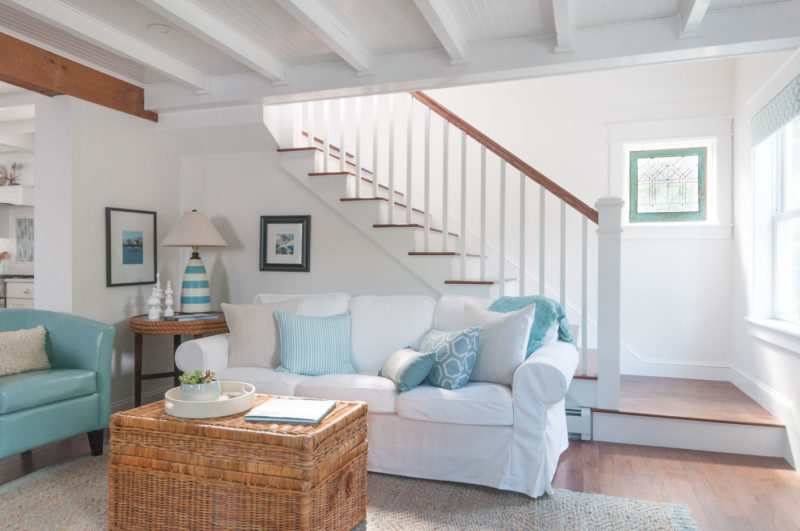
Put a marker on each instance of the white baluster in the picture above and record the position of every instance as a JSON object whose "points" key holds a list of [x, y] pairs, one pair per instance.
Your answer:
{"points": [[326, 145], [342, 135], [541, 241], [563, 265], [445, 183], [427, 192], [409, 159], [374, 146], [358, 147], [584, 298], [463, 230], [309, 119], [391, 159], [503, 229], [522, 269], [483, 213]]}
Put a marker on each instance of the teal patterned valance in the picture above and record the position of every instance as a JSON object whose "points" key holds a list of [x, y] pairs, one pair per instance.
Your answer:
{"points": [[778, 112]]}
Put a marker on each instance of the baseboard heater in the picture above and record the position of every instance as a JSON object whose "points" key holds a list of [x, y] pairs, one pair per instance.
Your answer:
{"points": [[579, 423]]}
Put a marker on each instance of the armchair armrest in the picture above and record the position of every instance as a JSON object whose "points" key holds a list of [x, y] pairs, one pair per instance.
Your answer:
{"points": [[545, 376], [205, 353]]}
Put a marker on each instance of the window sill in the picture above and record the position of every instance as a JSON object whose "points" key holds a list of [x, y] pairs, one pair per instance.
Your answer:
{"points": [[676, 231], [779, 333]]}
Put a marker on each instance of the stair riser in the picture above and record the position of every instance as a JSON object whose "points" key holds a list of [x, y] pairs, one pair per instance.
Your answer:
{"points": [[441, 268], [486, 291], [583, 392], [689, 434]]}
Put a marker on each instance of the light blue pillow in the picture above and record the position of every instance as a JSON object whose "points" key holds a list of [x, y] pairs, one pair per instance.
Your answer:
{"points": [[407, 368], [315, 345], [454, 356], [547, 312]]}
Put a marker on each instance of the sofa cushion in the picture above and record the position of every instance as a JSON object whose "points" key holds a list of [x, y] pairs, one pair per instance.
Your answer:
{"points": [[382, 325], [255, 340], [318, 305], [266, 381], [37, 388], [454, 356], [23, 350], [503, 342], [379, 393], [450, 310], [315, 345], [480, 403]]}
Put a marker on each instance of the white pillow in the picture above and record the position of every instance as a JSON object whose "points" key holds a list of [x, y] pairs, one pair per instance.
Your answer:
{"points": [[450, 310], [503, 343], [255, 340], [23, 350], [317, 305]]}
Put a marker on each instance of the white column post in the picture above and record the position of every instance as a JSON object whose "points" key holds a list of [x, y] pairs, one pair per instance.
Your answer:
{"points": [[609, 229]]}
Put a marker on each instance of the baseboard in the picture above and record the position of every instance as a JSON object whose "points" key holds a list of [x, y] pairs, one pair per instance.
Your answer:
{"points": [[634, 363], [128, 403]]}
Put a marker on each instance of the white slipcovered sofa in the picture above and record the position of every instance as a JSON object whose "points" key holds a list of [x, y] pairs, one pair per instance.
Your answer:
{"points": [[487, 434]]}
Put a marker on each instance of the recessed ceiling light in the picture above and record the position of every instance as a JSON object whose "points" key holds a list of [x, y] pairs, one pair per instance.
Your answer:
{"points": [[158, 28]]}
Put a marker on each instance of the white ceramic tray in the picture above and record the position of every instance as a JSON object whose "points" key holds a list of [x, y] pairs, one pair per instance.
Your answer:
{"points": [[235, 398]]}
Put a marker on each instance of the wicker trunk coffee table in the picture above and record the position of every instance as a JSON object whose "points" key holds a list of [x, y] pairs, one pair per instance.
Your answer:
{"points": [[225, 473]]}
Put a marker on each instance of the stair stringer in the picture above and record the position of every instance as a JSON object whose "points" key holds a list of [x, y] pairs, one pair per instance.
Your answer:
{"points": [[395, 242]]}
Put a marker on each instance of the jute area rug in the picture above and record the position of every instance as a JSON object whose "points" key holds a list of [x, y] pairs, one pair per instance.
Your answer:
{"points": [[74, 495]]}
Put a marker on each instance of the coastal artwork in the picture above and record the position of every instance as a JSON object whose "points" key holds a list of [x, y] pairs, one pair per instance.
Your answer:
{"points": [[24, 240], [284, 243], [132, 247]]}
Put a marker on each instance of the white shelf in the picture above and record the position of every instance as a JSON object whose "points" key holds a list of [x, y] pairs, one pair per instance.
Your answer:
{"points": [[20, 194]]}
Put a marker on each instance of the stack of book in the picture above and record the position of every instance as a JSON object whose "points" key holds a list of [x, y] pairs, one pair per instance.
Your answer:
{"points": [[291, 411]]}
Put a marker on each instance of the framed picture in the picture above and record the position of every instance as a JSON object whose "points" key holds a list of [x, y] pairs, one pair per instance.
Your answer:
{"points": [[285, 243], [130, 247]]}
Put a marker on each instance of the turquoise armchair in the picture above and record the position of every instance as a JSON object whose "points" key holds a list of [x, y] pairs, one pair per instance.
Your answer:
{"points": [[73, 397]]}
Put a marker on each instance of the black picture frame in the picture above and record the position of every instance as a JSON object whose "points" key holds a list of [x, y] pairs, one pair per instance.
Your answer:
{"points": [[118, 273], [273, 261]]}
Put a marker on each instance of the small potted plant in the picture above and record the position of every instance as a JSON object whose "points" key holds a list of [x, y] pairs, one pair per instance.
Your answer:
{"points": [[199, 385]]}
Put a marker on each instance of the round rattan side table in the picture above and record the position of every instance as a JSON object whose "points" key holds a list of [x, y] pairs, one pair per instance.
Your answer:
{"points": [[141, 326]]}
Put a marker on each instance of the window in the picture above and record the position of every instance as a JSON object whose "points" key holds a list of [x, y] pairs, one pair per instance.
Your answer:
{"points": [[786, 221], [668, 185]]}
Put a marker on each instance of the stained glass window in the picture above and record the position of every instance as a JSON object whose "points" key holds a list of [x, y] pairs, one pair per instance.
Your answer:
{"points": [[668, 185]]}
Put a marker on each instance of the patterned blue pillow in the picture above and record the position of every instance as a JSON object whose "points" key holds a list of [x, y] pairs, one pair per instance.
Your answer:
{"points": [[315, 345], [454, 356]]}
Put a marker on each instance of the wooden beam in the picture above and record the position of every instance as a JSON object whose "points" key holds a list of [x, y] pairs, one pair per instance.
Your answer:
{"points": [[105, 36], [439, 16], [318, 20], [194, 19], [33, 68]]}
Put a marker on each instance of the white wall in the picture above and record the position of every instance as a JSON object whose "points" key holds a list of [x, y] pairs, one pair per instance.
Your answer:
{"points": [[766, 362], [675, 292], [90, 157]]}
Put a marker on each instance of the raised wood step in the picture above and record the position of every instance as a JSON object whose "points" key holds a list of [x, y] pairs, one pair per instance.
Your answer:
{"points": [[685, 399], [408, 225]]}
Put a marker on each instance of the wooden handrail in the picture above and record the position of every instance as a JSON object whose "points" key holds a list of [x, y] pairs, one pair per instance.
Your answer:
{"points": [[507, 156]]}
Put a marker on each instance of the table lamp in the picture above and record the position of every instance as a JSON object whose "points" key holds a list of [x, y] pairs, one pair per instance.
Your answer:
{"points": [[194, 230]]}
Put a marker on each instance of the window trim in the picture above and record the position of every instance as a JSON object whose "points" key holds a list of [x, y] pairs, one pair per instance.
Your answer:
{"points": [[668, 217]]}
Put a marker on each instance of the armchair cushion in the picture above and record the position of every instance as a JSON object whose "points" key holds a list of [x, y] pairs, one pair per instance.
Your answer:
{"points": [[23, 350], [37, 388]]}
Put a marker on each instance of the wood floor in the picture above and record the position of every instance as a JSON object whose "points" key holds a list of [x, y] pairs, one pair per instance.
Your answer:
{"points": [[723, 491]]}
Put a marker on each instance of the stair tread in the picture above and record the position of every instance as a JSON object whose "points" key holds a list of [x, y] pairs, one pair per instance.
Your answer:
{"points": [[440, 253], [408, 225], [486, 282], [685, 399]]}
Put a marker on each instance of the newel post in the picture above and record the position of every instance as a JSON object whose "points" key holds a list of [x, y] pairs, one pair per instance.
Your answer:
{"points": [[609, 232]]}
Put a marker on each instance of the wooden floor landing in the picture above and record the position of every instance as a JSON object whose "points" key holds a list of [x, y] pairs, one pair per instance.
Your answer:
{"points": [[684, 399]]}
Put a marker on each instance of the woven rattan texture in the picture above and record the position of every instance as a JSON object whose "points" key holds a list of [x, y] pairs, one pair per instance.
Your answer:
{"points": [[140, 324], [225, 473]]}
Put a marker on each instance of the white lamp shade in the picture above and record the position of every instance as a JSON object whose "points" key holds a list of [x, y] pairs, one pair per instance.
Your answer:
{"points": [[194, 229]]}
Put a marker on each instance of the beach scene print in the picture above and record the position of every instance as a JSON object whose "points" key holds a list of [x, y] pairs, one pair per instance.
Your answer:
{"points": [[24, 240], [284, 243], [132, 246]]}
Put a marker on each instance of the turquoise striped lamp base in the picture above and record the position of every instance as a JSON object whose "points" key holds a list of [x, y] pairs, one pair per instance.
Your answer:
{"points": [[195, 293]]}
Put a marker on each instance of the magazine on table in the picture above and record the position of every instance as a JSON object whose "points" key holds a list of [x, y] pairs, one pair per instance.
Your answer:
{"points": [[291, 411]]}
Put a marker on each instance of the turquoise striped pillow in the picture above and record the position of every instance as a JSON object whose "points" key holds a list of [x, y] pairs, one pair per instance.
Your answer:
{"points": [[315, 345]]}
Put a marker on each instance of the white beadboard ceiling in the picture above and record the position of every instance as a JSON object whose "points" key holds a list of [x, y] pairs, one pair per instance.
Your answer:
{"points": [[220, 52]]}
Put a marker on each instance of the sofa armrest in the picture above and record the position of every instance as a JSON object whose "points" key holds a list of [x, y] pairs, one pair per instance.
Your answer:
{"points": [[545, 376], [205, 353]]}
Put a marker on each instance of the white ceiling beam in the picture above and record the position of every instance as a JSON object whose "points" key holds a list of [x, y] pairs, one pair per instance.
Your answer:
{"points": [[439, 16], [564, 20], [101, 34], [196, 20], [690, 16], [727, 33], [321, 22]]}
